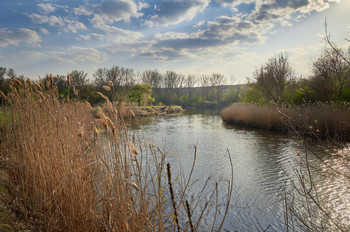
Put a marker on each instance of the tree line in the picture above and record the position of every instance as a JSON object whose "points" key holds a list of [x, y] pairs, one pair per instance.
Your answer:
{"points": [[123, 84]]}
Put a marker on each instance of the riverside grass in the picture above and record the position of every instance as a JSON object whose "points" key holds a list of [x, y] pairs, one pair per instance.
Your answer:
{"points": [[330, 121], [71, 168]]}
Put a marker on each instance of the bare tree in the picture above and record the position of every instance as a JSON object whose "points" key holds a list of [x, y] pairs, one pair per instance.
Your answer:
{"points": [[272, 78], [152, 77], [204, 80], [100, 76], [128, 76], [2, 76], [330, 73], [204, 83], [217, 79], [171, 80], [331, 44], [190, 82], [2, 72], [114, 75], [155, 79], [11, 73], [79, 78], [120, 76]]}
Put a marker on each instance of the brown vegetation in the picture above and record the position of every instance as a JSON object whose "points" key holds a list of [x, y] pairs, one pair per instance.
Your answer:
{"points": [[324, 120], [70, 171]]}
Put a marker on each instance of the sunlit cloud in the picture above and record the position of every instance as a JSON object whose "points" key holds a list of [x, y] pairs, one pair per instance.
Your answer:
{"points": [[175, 11], [46, 7], [220, 32], [275, 10], [33, 54], [22, 35], [110, 11], [65, 24], [233, 3], [75, 55]]}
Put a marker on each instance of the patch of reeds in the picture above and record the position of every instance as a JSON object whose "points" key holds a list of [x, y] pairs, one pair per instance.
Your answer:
{"points": [[330, 121], [69, 170], [266, 117]]}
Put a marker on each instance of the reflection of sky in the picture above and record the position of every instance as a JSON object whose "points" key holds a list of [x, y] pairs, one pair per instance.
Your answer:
{"points": [[335, 186], [258, 157]]}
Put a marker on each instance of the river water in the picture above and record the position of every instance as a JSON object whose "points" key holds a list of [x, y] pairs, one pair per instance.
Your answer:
{"points": [[260, 161]]}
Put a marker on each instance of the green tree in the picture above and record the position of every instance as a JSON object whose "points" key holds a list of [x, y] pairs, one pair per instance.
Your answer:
{"points": [[140, 92]]}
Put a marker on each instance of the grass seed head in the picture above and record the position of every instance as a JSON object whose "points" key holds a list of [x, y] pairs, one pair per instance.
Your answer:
{"points": [[107, 88]]}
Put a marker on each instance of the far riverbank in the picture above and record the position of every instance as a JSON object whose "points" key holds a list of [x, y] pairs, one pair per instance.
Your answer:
{"points": [[147, 111]]}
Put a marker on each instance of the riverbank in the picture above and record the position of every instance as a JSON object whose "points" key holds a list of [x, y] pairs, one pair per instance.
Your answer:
{"points": [[330, 121], [11, 218], [147, 111]]}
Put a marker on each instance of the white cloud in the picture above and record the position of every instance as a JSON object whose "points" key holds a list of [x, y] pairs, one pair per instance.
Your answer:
{"points": [[199, 24], [33, 54], [116, 10], [75, 55], [142, 5], [176, 11], [276, 10], [84, 37], [66, 25], [233, 3], [115, 34], [44, 31], [47, 7], [301, 57], [23, 35], [221, 36], [82, 10], [73, 26]]}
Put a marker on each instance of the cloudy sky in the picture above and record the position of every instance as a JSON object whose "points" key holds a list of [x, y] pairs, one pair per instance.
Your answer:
{"points": [[231, 37]]}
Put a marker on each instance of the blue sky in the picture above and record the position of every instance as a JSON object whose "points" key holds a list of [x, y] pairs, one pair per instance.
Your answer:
{"points": [[231, 37]]}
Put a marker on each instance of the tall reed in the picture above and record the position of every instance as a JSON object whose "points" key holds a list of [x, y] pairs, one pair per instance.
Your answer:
{"points": [[330, 121], [73, 169]]}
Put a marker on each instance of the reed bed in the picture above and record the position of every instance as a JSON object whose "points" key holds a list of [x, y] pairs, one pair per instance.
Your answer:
{"points": [[331, 121], [71, 168], [266, 117]]}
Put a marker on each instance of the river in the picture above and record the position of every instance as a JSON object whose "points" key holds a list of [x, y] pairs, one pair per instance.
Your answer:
{"points": [[260, 161]]}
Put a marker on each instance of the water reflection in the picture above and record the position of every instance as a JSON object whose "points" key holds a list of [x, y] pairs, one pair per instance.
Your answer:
{"points": [[260, 161]]}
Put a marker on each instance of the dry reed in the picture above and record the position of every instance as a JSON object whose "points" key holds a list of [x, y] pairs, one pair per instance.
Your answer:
{"points": [[330, 121], [71, 171]]}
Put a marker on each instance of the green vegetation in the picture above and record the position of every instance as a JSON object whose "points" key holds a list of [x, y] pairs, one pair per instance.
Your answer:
{"points": [[122, 84], [276, 83], [141, 93], [278, 100]]}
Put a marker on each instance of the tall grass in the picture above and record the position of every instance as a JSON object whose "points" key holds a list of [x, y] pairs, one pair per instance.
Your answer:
{"points": [[70, 169], [330, 121]]}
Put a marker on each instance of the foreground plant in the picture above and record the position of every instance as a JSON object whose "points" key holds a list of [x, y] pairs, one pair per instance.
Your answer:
{"points": [[70, 169]]}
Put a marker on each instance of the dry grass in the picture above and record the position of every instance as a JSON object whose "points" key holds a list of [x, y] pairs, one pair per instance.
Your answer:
{"points": [[266, 117], [330, 121], [70, 171]]}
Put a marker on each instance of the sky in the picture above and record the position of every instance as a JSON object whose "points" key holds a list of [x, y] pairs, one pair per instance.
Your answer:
{"points": [[231, 37]]}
